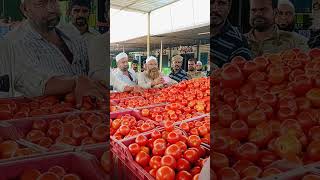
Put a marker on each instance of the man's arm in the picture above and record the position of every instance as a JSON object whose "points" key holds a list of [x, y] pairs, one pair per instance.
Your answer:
{"points": [[59, 85]]}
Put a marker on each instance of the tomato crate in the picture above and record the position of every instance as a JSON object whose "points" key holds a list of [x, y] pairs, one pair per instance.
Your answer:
{"points": [[57, 132], [82, 164], [297, 173], [135, 102], [126, 163], [140, 121]]}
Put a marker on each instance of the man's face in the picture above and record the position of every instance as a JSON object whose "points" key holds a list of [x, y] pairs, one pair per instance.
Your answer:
{"points": [[123, 64], [80, 15], [152, 69], [191, 66], [261, 15], [219, 11], [285, 17], [177, 64], [134, 66], [43, 13], [199, 67]]}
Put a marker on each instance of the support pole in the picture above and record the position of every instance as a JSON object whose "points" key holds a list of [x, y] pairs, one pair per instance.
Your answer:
{"points": [[148, 36], [161, 49]]}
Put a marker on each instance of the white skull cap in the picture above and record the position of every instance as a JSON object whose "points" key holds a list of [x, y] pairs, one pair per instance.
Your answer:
{"points": [[151, 58], [121, 56]]}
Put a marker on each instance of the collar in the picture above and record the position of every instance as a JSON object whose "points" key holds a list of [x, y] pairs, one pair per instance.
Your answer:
{"points": [[180, 70], [275, 35], [38, 36], [225, 28]]}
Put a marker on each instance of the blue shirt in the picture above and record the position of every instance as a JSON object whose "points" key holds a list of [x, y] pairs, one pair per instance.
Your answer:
{"points": [[179, 76], [228, 44]]}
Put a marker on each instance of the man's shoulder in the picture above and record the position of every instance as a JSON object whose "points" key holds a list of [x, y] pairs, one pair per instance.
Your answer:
{"points": [[234, 34], [291, 35]]}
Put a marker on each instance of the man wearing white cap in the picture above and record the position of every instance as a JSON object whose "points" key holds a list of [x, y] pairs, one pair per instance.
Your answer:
{"points": [[152, 77], [285, 18], [125, 79], [199, 66]]}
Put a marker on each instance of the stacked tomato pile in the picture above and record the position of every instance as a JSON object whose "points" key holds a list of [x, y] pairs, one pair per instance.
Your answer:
{"points": [[74, 129], [266, 111], [123, 95], [138, 102], [53, 173], [10, 149], [105, 161], [169, 154], [127, 125], [200, 128]]}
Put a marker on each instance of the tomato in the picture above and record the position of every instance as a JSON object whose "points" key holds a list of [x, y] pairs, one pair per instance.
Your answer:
{"points": [[228, 174], [294, 73], [174, 151], [226, 117], [155, 162], [169, 160], [40, 125], [270, 172], [155, 134], [287, 145], [257, 76], [266, 158], [313, 150], [286, 113], [124, 130], [314, 96], [251, 171], [276, 75], [240, 165], [142, 158], [184, 126], [202, 130], [141, 140], [195, 170], [248, 151], [239, 130], [153, 172], [168, 126], [145, 149], [301, 85], [256, 118], [165, 173], [250, 67], [173, 137], [311, 177], [306, 120], [221, 144], [232, 76], [220, 161], [314, 53], [158, 149], [244, 109], [269, 99], [183, 164], [35, 136], [183, 175], [182, 146], [261, 135], [194, 141]]}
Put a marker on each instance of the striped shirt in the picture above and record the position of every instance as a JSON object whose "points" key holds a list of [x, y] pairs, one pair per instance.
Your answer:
{"points": [[179, 76], [36, 60], [228, 44]]}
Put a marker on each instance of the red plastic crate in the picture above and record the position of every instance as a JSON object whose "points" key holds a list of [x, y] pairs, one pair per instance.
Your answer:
{"points": [[125, 160], [73, 162], [20, 127]]}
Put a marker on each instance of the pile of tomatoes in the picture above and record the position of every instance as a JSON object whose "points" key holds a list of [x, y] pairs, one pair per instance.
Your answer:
{"points": [[200, 127], [53, 173], [128, 125], [169, 154], [74, 129], [10, 149], [266, 111], [137, 102], [123, 95]]}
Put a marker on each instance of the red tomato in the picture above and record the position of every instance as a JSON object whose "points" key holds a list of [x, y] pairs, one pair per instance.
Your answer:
{"points": [[195, 170], [303, 103], [220, 161], [173, 137], [306, 120], [124, 130], [142, 158], [244, 109], [251, 171], [169, 160], [183, 175], [266, 158], [145, 149], [276, 75], [141, 140], [239, 130], [155, 162], [270, 172], [174, 151], [165, 173], [153, 172], [311, 177], [314, 96], [134, 148], [228, 174], [168, 126], [270, 99], [250, 67], [231, 76], [194, 141], [156, 134], [301, 85], [248, 151], [240, 165], [256, 118], [182, 146], [313, 151], [183, 164]]}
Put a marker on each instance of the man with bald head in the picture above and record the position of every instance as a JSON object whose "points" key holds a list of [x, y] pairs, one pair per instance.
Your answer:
{"points": [[46, 60], [285, 18], [152, 77], [265, 36]]}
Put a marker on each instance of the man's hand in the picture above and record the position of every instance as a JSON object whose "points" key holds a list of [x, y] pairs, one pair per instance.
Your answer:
{"points": [[87, 87], [138, 89], [128, 88]]}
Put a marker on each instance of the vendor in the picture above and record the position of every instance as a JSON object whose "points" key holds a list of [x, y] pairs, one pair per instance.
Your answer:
{"points": [[152, 77], [193, 69], [127, 77], [46, 60], [226, 42], [285, 18], [265, 36], [177, 73], [199, 66], [135, 65]]}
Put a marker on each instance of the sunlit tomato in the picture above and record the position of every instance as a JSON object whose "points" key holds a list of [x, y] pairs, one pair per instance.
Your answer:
{"points": [[155, 162], [183, 175], [158, 148], [145, 112], [256, 118], [228, 174], [173, 137], [168, 126], [155, 134], [183, 164], [287, 145], [248, 151], [182, 146], [194, 141], [276, 75], [169, 160], [191, 155], [239, 129], [165, 173], [142, 158], [134, 148], [231, 76], [240, 165], [124, 130], [141, 140], [174, 151], [184, 126]]}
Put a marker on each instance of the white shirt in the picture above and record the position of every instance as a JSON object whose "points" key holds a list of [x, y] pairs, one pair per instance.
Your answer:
{"points": [[36, 60], [145, 82], [120, 80], [69, 28], [6, 68]]}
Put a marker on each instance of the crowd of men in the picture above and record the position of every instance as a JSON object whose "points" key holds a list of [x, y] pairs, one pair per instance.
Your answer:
{"points": [[272, 31], [43, 56], [127, 79]]}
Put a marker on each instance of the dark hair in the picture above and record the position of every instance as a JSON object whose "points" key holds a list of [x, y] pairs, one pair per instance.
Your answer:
{"points": [[86, 3], [135, 62], [274, 3], [193, 59]]}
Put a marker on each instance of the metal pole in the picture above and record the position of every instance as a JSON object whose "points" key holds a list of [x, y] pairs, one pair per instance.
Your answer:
{"points": [[198, 51], [148, 36], [161, 56]]}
